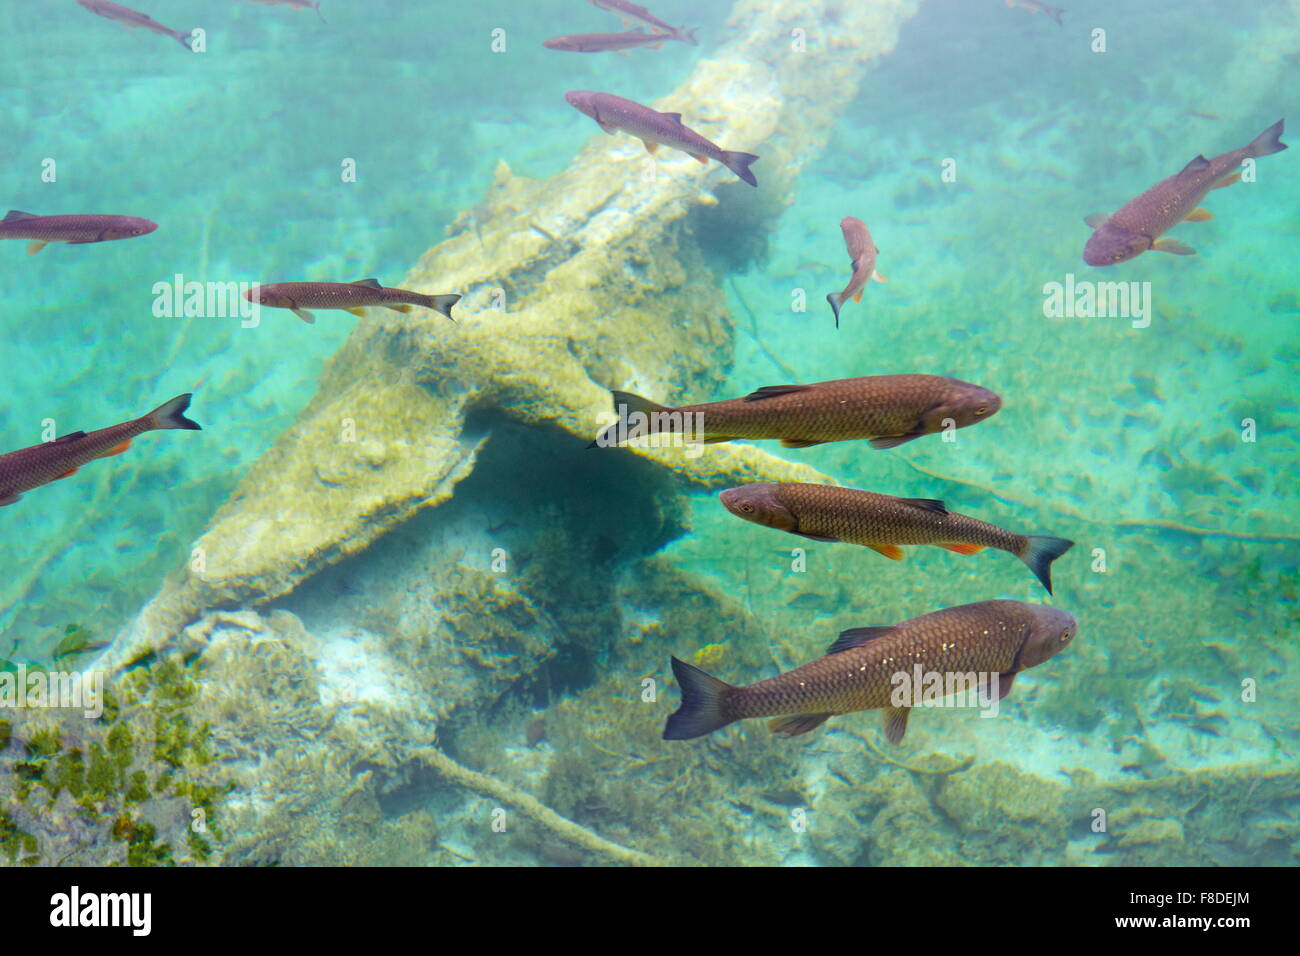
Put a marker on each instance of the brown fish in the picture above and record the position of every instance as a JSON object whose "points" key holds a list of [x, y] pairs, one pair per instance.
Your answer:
{"points": [[862, 669], [351, 297], [656, 129], [29, 468], [887, 410], [75, 230], [296, 4], [862, 256], [1140, 223], [883, 522], [602, 42], [1037, 6], [632, 11], [133, 18]]}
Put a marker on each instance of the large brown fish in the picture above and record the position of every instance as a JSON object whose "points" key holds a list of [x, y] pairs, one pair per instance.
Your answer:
{"points": [[862, 669], [633, 11], [38, 465], [352, 297], [883, 522], [603, 42], [655, 129], [134, 18], [1140, 223], [75, 230], [862, 257], [887, 410]]}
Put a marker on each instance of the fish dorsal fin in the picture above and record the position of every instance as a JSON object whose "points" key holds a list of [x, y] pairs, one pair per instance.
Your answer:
{"points": [[70, 436], [1200, 162], [1096, 220], [675, 117], [928, 504], [772, 391], [13, 215], [856, 637], [373, 283]]}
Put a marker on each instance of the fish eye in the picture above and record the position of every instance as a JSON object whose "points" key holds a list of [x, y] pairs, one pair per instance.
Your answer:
{"points": [[748, 509], [1065, 636], [981, 410]]}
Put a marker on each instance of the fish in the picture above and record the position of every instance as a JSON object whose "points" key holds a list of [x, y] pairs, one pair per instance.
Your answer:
{"points": [[656, 129], [352, 297], [862, 256], [887, 410], [1039, 7], [601, 42], [296, 4], [75, 230], [134, 18], [1140, 223], [883, 522], [28, 468], [632, 11], [859, 671]]}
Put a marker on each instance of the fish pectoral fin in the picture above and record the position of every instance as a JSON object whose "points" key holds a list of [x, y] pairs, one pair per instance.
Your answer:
{"points": [[304, 315], [70, 471], [799, 443], [1166, 244], [359, 312], [1199, 215], [115, 450], [70, 436], [1004, 684], [856, 637], [10, 499], [1096, 220], [894, 721], [927, 504], [606, 127], [650, 147], [1234, 178], [962, 548], [817, 537], [893, 441], [797, 724], [395, 308], [35, 246], [891, 551], [369, 283], [877, 277]]}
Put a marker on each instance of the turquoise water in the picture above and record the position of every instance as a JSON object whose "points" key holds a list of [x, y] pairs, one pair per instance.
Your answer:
{"points": [[1127, 440]]}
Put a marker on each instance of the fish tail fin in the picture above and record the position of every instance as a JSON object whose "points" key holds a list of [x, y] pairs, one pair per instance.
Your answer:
{"points": [[625, 406], [184, 39], [1055, 14], [836, 300], [1039, 553], [442, 303], [171, 414], [689, 37], [739, 164], [703, 708], [316, 6], [1268, 142]]}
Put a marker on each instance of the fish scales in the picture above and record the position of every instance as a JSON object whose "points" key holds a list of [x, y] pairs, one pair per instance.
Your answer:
{"points": [[980, 638]]}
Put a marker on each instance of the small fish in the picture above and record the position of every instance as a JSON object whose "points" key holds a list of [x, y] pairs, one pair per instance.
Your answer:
{"points": [[632, 11], [862, 256], [656, 129], [134, 18], [75, 230], [858, 671], [296, 4], [601, 42], [351, 297], [883, 522], [1039, 7], [887, 410], [29, 468], [1140, 223]]}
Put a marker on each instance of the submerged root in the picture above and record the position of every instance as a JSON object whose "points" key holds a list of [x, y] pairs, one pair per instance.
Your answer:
{"points": [[533, 809]]}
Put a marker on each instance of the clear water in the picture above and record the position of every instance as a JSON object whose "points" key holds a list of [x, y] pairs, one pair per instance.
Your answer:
{"points": [[1172, 707]]}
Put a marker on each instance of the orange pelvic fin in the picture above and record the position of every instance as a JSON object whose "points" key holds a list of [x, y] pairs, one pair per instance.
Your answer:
{"points": [[964, 548], [650, 147], [1235, 177], [702, 160], [891, 551], [115, 450], [1199, 215], [35, 246], [858, 296], [358, 312], [70, 471]]}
